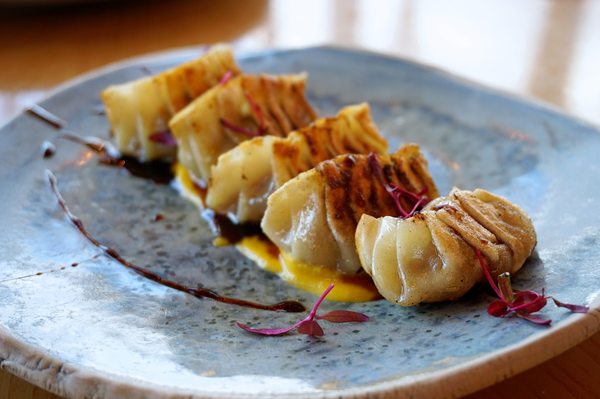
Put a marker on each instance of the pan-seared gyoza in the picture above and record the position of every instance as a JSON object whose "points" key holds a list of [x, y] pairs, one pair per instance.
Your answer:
{"points": [[245, 176], [238, 110], [313, 217], [139, 111], [430, 256]]}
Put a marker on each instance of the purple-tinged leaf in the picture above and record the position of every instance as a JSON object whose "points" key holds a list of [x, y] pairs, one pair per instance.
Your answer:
{"points": [[260, 118], [528, 301], [534, 319], [571, 307], [343, 316], [498, 308], [313, 311], [268, 331], [228, 75], [521, 303], [242, 130], [418, 200], [487, 274], [310, 327], [165, 138]]}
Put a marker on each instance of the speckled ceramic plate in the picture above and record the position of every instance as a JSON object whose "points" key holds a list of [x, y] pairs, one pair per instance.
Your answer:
{"points": [[100, 330]]}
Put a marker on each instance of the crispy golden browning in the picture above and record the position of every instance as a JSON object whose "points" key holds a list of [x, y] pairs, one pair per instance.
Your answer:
{"points": [[138, 109], [244, 107], [245, 176], [313, 217], [430, 257]]}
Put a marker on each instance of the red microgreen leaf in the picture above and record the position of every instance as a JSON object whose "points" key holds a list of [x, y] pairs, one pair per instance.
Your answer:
{"points": [[228, 75], [242, 130], [416, 200], [571, 307], [165, 138], [313, 311], [528, 301], [343, 316], [498, 308], [520, 303], [488, 275], [268, 331], [534, 319], [311, 327], [260, 118]]}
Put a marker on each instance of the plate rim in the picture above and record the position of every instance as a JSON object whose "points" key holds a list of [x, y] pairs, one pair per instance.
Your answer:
{"points": [[63, 378]]}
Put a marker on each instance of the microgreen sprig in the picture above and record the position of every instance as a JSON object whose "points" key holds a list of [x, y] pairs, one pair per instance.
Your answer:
{"points": [[309, 324], [228, 75], [164, 137], [519, 303], [416, 200], [258, 115]]}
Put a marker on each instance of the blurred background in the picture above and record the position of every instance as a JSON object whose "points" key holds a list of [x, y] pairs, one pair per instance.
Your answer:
{"points": [[545, 49], [541, 48]]}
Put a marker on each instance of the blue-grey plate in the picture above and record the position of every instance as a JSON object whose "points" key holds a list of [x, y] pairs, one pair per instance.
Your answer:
{"points": [[100, 330]]}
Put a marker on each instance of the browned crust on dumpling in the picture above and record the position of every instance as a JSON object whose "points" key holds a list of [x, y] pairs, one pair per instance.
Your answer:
{"points": [[327, 139], [352, 187], [434, 256], [139, 108], [282, 101], [501, 230], [242, 108]]}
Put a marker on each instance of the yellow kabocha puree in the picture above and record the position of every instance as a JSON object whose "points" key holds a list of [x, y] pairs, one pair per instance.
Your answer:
{"points": [[266, 255]]}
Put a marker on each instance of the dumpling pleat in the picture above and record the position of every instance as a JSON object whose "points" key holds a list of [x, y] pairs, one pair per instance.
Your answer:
{"points": [[281, 159], [436, 248], [352, 188], [237, 111], [138, 109]]}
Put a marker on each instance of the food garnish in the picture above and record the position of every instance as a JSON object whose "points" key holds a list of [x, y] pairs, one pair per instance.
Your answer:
{"points": [[521, 304], [417, 200], [320, 208], [429, 257], [164, 137], [245, 176], [258, 114], [228, 75], [309, 324], [240, 129]]}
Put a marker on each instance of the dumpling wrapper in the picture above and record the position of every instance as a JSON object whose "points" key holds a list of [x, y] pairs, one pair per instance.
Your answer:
{"points": [[245, 176], [430, 257], [257, 104], [313, 217], [137, 110]]}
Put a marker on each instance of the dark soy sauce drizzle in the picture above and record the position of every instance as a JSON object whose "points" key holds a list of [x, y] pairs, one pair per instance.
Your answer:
{"points": [[157, 171], [222, 226], [286, 306], [46, 116]]}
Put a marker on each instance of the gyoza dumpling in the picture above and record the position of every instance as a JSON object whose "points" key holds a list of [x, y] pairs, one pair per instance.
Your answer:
{"points": [[313, 217], [430, 256], [245, 176], [244, 107], [137, 110]]}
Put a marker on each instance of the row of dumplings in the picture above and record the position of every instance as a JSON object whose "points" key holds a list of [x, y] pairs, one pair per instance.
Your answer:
{"points": [[324, 190]]}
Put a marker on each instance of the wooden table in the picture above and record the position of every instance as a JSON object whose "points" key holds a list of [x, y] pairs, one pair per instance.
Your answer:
{"points": [[544, 49]]}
